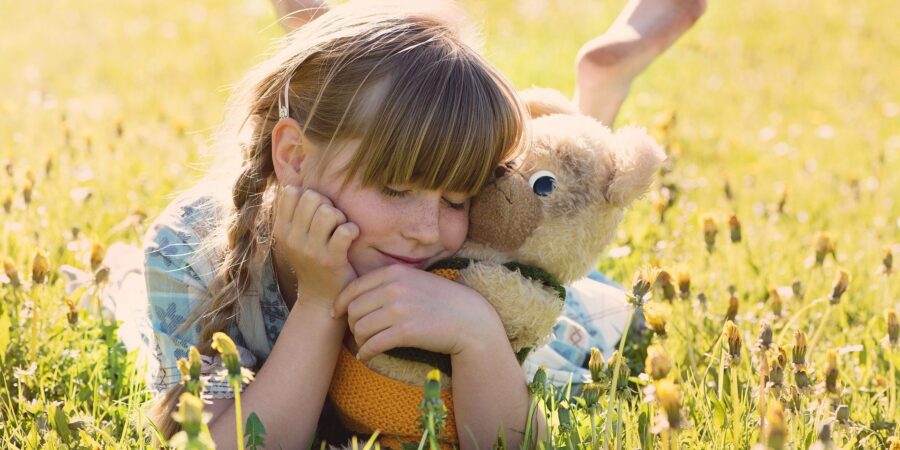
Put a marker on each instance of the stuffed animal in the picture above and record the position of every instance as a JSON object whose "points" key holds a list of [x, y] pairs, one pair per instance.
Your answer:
{"points": [[540, 224]]}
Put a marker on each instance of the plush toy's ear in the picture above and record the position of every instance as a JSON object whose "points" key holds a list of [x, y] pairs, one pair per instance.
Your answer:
{"points": [[544, 101], [636, 157]]}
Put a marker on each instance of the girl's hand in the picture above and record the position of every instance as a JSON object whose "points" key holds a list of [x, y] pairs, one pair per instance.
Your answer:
{"points": [[314, 236], [400, 306]]}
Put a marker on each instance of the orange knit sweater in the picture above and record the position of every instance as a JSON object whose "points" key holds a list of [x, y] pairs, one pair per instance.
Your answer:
{"points": [[367, 401]]}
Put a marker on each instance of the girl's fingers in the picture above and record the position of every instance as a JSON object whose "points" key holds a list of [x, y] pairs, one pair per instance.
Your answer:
{"points": [[305, 209], [370, 325], [380, 343], [364, 305], [360, 286], [324, 221], [342, 237]]}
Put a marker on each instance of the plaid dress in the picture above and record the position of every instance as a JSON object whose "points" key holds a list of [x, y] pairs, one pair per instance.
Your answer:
{"points": [[178, 270]]}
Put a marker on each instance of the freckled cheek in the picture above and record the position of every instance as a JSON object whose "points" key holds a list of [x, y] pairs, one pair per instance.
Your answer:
{"points": [[454, 228]]}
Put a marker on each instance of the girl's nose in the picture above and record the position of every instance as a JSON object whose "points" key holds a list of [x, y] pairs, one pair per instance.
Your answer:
{"points": [[423, 223]]}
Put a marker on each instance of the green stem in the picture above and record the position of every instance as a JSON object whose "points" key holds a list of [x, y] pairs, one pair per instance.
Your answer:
{"points": [[237, 413], [615, 378], [892, 382], [735, 409], [819, 329]]}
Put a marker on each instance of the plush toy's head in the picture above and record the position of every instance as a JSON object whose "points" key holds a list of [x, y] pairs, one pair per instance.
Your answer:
{"points": [[557, 206]]}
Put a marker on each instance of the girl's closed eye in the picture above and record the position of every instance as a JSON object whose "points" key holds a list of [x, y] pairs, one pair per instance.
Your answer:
{"points": [[400, 193]]}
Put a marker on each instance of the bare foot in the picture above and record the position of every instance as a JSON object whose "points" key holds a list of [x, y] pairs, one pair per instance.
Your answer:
{"points": [[607, 64]]}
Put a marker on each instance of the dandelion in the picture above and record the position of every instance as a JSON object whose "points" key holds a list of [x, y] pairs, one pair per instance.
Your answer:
{"points": [[7, 202], [190, 372], [9, 268], [893, 443], [733, 306], [684, 283], [801, 377], [30, 176], [230, 356], [98, 251], [842, 413], [591, 394], [797, 288], [434, 413], [27, 190], [668, 288], [776, 430], [194, 432], [668, 395], [538, 385], [101, 275], [893, 326], [776, 372], [40, 266], [657, 365], [72, 310], [617, 368], [887, 261], [775, 302], [595, 364], [841, 281], [734, 228], [656, 319], [824, 246], [782, 198], [831, 372], [642, 283], [798, 353], [733, 337], [729, 194], [710, 229], [765, 336]]}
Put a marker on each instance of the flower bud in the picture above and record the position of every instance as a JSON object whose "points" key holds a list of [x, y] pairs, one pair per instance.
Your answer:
{"points": [[623, 369], [27, 189], [190, 414], [9, 268], [779, 361], [591, 394], [888, 260], [101, 275], [668, 288], [656, 318], [842, 414], [710, 229], [775, 302], [7, 202], [824, 246], [433, 385], [657, 364], [801, 377], [668, 395], [595, 364], [98, 251], [732, 336], [733, 306], [841, 281], [765, 336], [642, 283], [797, 289], [893, 326], [831, 372], [40, 267], [684, 284], [222, 343], [782, 199], [538, 385], [734, 228], [798, 353]]}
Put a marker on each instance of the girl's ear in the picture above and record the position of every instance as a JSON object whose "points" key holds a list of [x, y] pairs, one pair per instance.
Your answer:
{"points": [[289, 149]]}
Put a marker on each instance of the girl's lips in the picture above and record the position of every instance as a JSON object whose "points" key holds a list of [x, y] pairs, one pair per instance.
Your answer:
{"points": [[403, 260]]}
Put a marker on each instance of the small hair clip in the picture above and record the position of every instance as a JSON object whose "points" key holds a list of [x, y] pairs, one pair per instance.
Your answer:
{"points": [[283, 104]]}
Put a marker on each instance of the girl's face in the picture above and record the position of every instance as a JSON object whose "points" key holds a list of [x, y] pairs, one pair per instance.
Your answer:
{"points": [[397, 224]]}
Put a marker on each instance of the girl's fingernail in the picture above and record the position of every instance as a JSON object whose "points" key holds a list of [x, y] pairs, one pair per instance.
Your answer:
{"points": [[357, 357], [332, 313]]}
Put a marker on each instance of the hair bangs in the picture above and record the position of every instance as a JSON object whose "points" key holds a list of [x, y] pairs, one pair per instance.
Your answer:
{"points": [[443, 123]]}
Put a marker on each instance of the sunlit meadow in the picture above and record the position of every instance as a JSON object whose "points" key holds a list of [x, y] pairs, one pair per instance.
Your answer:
{"points": [[781, 121]]}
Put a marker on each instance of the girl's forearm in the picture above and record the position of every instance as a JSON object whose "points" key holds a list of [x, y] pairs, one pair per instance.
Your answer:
{"points": [[290, 388], [489, 392]]}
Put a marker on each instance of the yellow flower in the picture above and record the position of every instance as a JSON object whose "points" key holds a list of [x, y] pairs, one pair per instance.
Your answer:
{"points": [[798, 353], [668, 395], [684, 283], [229, 353], [893, 326], [831, 372], [656, 318], [642, 282], [710, 229], [98, 251], [734, 228], [841, 281], [776, 430], [732, 336], [9, 268], [595, 364], [824, 246], [657, 364], [40, 267]]}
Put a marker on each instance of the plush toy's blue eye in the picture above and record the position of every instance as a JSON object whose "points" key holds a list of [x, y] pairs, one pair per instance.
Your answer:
{"points": [[542, 182]]}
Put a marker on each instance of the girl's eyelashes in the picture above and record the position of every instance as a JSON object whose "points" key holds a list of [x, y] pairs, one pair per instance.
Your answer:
{"points": [[399, 194]]}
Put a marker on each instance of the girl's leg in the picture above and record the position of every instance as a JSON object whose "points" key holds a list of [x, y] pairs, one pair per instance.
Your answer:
{"points": [[607, 64]]}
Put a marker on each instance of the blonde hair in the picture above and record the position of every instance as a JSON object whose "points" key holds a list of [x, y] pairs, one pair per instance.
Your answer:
{"points": [[445, 119]]}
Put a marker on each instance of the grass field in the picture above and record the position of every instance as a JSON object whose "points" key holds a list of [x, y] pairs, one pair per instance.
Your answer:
{"points": [[785, 114]]}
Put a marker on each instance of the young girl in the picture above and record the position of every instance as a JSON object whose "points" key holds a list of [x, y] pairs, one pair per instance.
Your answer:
{"points": [[359, 145]]}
